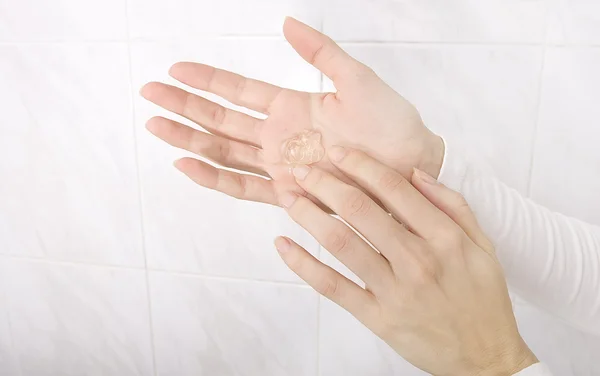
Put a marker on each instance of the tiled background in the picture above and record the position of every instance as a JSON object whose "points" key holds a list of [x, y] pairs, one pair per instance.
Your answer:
{"points": [[112, 263]]}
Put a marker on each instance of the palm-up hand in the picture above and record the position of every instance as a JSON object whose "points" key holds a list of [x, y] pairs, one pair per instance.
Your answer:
{"points": [[364, 113]]}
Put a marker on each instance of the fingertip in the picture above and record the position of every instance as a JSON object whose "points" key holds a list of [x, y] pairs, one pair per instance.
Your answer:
{"points": [[293, 28], [176, 69], [289, 20], [153, 124], [177, 164], [424, 177], [147, 89], [183, 164], [283, 244]]}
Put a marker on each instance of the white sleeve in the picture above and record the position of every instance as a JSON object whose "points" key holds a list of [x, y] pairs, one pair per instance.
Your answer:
{"points": [[537, 369], [551, 260]]}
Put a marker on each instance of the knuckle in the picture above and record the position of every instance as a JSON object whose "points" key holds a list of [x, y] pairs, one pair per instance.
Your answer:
{"points": [[240, 186], [211, 78], [357, 204], [188, 104], [459, 202], [391, 181], [424, 273], [328, 286], [316, 55], [450, 238], [338, 241], [323, 53], [218, 115], [240, 87], [221, 152], [453, 235]]}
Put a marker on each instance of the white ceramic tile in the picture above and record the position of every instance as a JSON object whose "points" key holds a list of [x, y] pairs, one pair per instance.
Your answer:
{"points": [[190, 18], [514, 21], [8, 362], [78, 320], [190, 228], [348, 348], [487, 96], [574, 21], [58, 20], [567, 159], [67, 160], [566, 351], [219, 327]]}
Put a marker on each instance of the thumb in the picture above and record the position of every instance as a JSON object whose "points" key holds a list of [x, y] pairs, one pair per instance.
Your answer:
{"points": [[453, 204], [320, 51]]}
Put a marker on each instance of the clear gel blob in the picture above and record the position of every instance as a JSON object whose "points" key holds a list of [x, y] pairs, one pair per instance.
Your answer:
{"points": [[303, 148]]}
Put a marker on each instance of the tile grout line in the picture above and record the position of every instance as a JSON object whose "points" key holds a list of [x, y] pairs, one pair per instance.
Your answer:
{"points": [[274, 37], [318, 329], [538, 116], [188, 274], [139, 190]]}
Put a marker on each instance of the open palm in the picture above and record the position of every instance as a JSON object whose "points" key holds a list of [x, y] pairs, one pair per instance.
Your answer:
{"points": [[364, 113]]}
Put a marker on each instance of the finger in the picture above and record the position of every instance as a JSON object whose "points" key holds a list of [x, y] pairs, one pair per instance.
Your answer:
{"points": [[321, 51], [354, 206], [394, 191], [220, 150], [343, 243], [327, 281], [453, 204], [211, 116], [246, 92], [243, 187]]}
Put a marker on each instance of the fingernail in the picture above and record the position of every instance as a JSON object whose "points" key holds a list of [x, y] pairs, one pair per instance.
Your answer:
{"points": [[425, 177], [337, 153], [287, 199], [301, 171], [282, 244]]}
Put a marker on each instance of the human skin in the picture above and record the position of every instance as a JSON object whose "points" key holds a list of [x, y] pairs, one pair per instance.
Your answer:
{"points": [[364, 113], [436, 292]]}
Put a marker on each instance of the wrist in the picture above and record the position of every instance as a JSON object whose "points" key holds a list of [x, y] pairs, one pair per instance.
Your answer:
{"points": [[432, 155], [509, 362]]}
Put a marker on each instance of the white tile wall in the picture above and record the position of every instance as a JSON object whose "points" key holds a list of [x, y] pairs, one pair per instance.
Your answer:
{"points": [[574, 22], [68, 152], [491, 21], [220, 327], [74, 320], [112, 262], [60, 20], [188, 18]]}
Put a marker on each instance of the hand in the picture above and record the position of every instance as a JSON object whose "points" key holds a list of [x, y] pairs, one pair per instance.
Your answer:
{"points": [[435, 292], [364, 113]]}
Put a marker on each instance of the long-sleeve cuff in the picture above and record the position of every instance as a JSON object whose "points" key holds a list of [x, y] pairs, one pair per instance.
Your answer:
{"points": [[454, 167], [537, 369]]}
